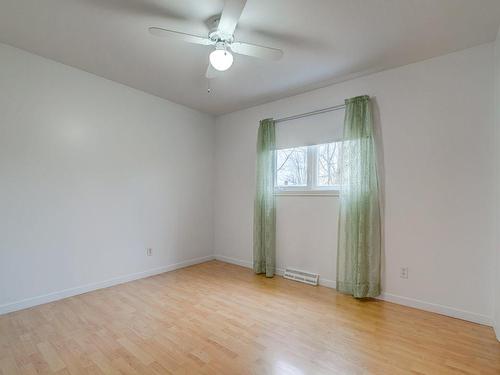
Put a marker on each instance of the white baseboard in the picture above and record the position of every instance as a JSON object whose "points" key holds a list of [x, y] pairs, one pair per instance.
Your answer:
{"points": [[54, 296], [238, 262], [400, 300], [328, 283], [436, 308]]}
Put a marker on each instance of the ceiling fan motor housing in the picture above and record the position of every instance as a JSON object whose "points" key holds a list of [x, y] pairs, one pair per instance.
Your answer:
{"points": [[215, 34]]}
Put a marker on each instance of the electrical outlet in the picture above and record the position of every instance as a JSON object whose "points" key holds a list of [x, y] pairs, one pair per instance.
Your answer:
{"points": [[149, 251], [403, 272]]}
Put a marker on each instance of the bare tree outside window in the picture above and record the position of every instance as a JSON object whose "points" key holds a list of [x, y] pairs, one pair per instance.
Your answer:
{"points": [[291, 167], [328, 164]]}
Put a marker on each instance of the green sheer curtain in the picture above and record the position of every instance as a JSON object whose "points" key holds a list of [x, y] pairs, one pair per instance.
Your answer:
{"points": [[359, 238], [264, 231]]}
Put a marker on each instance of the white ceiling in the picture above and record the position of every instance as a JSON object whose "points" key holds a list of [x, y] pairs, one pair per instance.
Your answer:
{"points": [[325, 41]]}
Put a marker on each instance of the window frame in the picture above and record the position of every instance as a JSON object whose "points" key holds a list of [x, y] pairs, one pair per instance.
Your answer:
{"points": [[312, 188]]}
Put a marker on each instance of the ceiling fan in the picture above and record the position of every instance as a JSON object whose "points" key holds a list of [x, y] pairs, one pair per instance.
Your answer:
{"points": [[221, 36]]}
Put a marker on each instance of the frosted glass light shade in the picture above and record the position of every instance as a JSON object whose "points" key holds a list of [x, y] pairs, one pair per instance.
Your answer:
{"points": [[221, 59]]}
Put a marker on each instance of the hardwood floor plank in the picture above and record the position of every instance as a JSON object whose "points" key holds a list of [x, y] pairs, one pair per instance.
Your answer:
{"points": [[217, 318], [50, 356], [8, 366], [136, 351]]}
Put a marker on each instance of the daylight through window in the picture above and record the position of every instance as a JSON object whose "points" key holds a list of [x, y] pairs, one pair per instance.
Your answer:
{"points": [[308, 168]]}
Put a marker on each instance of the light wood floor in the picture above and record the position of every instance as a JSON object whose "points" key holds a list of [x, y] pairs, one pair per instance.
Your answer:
{"points": [[216, 318]]}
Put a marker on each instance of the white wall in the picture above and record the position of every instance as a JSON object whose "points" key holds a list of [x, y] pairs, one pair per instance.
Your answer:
{"points": [[91, 174], [435, 123], [497, 158]]}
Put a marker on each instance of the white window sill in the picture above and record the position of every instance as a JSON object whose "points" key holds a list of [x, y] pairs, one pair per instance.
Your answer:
{"points": [[307, 193]]}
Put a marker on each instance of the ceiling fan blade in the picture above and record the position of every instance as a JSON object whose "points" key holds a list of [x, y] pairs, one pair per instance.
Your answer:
{"points": [[177, 35], [211, 72], [254, 50], [230, 16]]}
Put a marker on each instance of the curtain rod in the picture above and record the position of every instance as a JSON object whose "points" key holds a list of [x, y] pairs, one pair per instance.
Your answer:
{"points": [[312, 113]]}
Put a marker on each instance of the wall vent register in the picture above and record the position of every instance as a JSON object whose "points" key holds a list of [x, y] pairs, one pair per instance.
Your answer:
{"points": [[301, 276]]}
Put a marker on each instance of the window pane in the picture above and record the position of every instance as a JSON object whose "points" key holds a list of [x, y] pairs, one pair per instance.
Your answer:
{"points": [[328, 164], [291, 167]]}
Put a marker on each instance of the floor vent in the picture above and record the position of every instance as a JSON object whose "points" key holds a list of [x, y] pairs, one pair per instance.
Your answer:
{"points": [[301, 276]]}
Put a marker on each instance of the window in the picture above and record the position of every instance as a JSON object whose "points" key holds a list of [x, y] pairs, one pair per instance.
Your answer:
{"points": [[308, 169], [291, 167], [328, 171]]}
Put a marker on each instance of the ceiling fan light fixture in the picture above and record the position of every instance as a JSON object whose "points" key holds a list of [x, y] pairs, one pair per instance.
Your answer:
{"points": [[221, 59]]}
